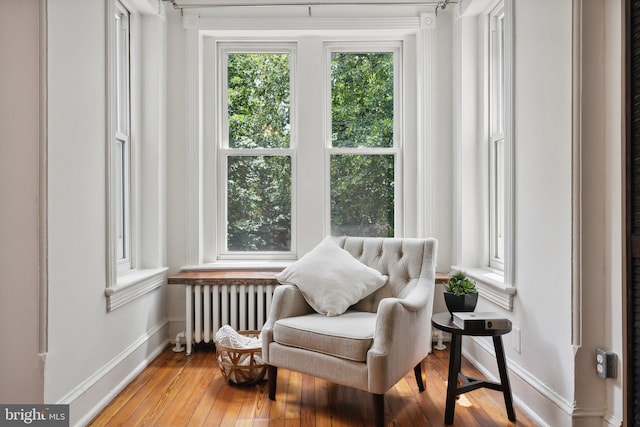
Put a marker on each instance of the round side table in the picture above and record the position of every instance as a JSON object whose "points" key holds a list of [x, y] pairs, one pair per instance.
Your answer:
{"points": [[443, 322]]}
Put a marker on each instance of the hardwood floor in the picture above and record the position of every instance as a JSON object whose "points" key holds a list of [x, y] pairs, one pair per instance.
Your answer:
{"points": [[177, 390]]}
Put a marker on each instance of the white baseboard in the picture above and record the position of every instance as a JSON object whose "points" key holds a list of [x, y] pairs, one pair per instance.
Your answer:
{"points": [[94, 394], [612, 421]]}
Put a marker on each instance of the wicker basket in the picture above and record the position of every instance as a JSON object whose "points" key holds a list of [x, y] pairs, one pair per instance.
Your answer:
{"points": [[239, 365]]}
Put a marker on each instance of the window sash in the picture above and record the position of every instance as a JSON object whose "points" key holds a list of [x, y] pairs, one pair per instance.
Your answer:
{"points": [[121, 185], [121, 152], [497, 202], [225, 151], [223, 161], [224, 50], [394, 48], [496, 69], [122, 72], [497, 165]]}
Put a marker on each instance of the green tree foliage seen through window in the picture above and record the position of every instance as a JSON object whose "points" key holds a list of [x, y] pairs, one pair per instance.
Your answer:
{"points": [[258, 187], [362, 195], [258, 100], [259, 203], [362, 105], [362, 99]]}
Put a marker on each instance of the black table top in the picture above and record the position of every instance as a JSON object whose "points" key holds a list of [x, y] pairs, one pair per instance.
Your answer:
{"points": [[444, 322]]}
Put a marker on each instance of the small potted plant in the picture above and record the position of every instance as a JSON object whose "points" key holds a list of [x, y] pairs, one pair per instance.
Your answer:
{"points": [[460, 293]]}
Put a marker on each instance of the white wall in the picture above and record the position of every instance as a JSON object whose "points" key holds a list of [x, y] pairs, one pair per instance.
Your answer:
{"points": [[442, 150], [177, 166], [603, 308], [21, 369], [543, 176], [568, 236], [92, 353], [613, 251], [542, 138]]}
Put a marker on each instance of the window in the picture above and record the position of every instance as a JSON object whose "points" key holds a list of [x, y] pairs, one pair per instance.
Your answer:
{"points": [[496, 138], [121, 148], [485, 248], [363, 144], [135, 228], [256, 155], [304, 142]]}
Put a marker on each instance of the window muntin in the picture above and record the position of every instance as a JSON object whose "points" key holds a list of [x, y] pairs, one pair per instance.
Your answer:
{"points": [[496, 138], [121, 144], [364, 143], [256, 154]]}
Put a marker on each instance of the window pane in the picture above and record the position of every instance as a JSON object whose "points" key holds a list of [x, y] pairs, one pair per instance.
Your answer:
{"points": [[259, 203], [258, 100], [362, 99], [500, 71], [499, 200], [121, 198], [497, 74], [362, 195], [122, 69]]}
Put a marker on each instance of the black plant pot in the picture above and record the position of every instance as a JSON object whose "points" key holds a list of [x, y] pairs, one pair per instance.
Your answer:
{"points": [[460, 302]]}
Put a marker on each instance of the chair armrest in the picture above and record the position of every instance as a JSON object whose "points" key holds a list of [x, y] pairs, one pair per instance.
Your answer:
{"points": [[401, 340], [287, 301], [420, 296]]}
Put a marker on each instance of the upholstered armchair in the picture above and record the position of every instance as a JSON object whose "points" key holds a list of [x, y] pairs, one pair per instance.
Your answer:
{"points": [[377, 340]]}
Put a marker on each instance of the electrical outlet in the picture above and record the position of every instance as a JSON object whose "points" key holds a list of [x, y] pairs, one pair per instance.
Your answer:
{"points": [[605, 364], [515, 338]]}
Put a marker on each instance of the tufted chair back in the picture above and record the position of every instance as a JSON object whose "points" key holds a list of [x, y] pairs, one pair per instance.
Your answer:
{"points": [[407, 262]]}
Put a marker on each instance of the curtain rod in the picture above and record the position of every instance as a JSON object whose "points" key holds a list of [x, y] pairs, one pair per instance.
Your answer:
{"points": [[442, 4]]}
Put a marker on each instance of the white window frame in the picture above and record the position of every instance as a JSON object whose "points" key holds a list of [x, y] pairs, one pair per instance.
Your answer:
{"points": [[224, 151], [477, 246], [496, 137], [121, 152], [203, 33], [396, 151], [140, 269]]}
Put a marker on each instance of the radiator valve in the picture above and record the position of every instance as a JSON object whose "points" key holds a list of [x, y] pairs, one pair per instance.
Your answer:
{"points": [[179, 347]]}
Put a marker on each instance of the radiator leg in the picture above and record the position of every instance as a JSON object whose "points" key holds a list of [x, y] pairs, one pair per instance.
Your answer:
{"points": [[272, 373], [189, 322]]}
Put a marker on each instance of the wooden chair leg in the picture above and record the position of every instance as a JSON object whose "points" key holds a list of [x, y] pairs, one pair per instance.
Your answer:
{"points": [[272, 373], [378, 409], [418, 371]]}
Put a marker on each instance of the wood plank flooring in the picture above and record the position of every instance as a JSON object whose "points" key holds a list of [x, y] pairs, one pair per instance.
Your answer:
{"points": [[177, 390]]}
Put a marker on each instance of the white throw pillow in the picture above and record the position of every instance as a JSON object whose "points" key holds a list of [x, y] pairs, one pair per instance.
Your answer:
{"points": [[331, 279]]}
